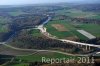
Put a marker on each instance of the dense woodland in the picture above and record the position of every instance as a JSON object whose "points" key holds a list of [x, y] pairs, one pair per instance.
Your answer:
{"points": [[21, 22], [28, 41], [25, 40], [25, 21]]}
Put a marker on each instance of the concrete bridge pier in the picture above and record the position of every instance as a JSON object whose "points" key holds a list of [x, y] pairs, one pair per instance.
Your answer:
{"points": [[80, 46], [87, 48], [84, 47]]}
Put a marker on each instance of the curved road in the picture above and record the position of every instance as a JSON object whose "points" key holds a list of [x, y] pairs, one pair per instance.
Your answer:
{"points": [[43, 31], [20, 49]]}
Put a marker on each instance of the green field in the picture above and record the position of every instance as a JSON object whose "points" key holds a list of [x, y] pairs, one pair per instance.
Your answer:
{"points": [[70, 33], [35, 32], [3, 24], [76, 13], [16, 13], [91, 28], [4, 28], [17, 64], [96, 17], [38, 56], [94, 29], [72, 28]]}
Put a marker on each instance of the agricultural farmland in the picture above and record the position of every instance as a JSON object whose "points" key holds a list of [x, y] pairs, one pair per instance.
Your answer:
{"points": [[59, 27], [62, 34], [38, 56], [20, 60], [77, 13], [70, 29], [16, 13]]}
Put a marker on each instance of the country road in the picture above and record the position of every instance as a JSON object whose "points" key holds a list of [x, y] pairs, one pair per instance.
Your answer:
{"points": [[20, 49]]}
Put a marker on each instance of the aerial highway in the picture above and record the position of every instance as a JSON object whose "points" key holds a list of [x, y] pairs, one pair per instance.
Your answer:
{"points": [[43, 31]]}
